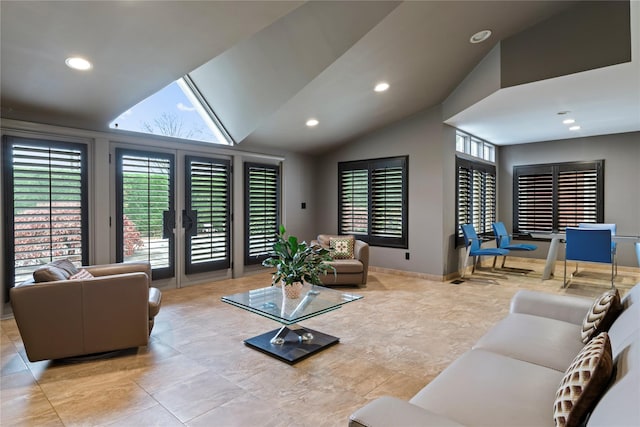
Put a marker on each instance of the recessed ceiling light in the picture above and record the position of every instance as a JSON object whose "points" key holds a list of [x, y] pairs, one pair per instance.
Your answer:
{"points": [[381, 87], [480, 36], [574, 127], [312, 122], [568, 121], [78, 63]]}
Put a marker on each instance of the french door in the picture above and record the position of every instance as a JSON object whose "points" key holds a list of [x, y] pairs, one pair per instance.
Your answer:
{"points": [[158, 205], [145, 212], [207, 214]]}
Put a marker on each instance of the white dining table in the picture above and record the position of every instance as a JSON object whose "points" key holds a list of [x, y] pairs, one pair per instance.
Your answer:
{"points": [[557, 238]]}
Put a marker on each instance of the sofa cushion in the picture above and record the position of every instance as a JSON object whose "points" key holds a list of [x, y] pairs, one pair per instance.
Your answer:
{"points": [[482, 388], [342, 247], [584, 382], [534, 339], [346, 266], [61, 269], [603, 312], [82, 274]]}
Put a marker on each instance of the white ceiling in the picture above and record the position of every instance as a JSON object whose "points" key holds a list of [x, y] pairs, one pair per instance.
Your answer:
{"points": [[420, 48]]}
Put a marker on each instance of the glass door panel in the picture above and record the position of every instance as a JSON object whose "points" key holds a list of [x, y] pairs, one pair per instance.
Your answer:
{"points": [[206, 217], [145, 212]]}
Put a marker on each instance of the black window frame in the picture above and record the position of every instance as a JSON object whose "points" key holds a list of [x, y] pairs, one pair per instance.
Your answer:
{"points": [[8, 143], [375, 168], [250, 258], [550, 175], [488, 205]]}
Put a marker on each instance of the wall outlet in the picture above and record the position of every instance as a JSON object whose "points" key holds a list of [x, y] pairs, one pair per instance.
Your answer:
{"points": [[406, 255], [303, 205]]}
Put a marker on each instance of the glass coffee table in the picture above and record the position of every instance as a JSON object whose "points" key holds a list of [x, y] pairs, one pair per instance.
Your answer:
{"points": [[291, 343]]}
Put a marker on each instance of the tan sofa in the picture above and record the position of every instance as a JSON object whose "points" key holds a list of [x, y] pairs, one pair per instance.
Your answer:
{"points": [[348, 271], [63, 318]]}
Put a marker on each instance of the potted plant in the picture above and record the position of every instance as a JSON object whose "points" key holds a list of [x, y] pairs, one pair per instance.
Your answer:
{"points": [[297, 262]]}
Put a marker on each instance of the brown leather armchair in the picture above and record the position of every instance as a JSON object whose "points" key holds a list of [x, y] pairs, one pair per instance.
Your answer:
{"points": [[348, 271], [113, 310]]}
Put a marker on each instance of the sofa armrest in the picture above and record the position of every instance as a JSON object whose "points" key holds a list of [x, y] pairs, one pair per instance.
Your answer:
{"points": [[361, 253], [119, 268], [390, 411], [560, 307]]}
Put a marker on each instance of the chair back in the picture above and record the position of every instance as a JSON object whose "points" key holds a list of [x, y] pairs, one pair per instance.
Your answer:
{"points": [[470, 237], [502, 237], [588, 244], [599, 226]]}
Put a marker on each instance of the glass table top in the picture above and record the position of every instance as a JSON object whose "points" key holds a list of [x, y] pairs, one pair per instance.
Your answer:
{"points": [[270, 302]]}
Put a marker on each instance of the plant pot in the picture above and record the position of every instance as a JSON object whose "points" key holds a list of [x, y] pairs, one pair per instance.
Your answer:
{"points": [[293, 290]]}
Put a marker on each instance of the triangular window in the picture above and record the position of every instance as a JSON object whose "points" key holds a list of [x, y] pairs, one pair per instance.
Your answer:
{"points": [[176, 111]]}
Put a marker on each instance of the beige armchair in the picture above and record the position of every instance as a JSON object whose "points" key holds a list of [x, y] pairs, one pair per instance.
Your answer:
{"points": [[113, 310], [348, 271]]}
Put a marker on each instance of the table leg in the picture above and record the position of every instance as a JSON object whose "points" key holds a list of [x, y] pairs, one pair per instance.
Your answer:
{"points": [[552, 256], [303, 334]]}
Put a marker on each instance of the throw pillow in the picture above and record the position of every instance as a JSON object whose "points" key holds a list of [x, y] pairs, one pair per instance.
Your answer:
{"points": [[82, 274], [342, 247], [602, 314], [584, 382], [60, 269]]}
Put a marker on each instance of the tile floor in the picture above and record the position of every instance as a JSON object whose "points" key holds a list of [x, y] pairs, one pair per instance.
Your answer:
{"points": [[197, 372]]}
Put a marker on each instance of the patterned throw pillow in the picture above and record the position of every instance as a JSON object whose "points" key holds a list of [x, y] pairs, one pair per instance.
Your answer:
{"points": [[602, 314], [342, 247], [82, 274], [584, 382]]}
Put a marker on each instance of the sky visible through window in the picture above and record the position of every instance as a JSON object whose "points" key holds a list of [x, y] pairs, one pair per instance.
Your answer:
{"points": [[171, 112]]}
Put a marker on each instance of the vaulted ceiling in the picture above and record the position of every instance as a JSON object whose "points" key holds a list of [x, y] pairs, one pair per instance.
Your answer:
{"points": [[266, 67]]}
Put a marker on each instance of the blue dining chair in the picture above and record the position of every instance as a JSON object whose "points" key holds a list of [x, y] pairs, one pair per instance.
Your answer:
{"points": [[473, 245], [588, 245], [503, 241], [610, 227]]}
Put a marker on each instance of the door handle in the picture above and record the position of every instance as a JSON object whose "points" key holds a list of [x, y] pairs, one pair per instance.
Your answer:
{"points": [[168, 223], [190, 222]]}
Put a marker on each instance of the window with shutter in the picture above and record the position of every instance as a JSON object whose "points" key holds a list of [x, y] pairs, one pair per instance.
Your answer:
{"points": [[46, 204], [550, 197], [475, 195], [262, 209], [372, 201]]}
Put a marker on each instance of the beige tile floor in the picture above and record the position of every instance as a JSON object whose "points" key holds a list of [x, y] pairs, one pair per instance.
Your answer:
{"points": [[197, 372]]}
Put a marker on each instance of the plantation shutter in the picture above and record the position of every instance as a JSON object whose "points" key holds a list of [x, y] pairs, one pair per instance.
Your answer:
{"points": [[372, 201], [262, 208], [577, 195], [533, 198], [145, 216], [548, 198], [208, 205], [476, 196], [354, 201], [387, 199], [46, 204]]}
